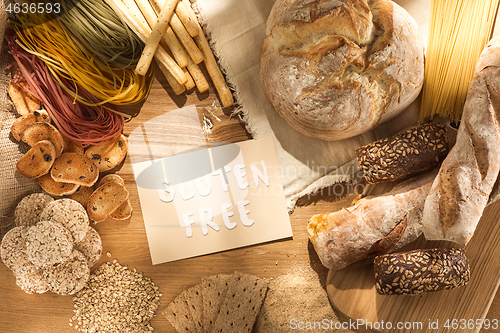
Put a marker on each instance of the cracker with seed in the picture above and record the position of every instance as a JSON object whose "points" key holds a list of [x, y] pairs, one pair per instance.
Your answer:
{"points": [[48, 243], [123, 212], [241, 305], [108, 155], [30, 207], [20, 124], [68, 277], [39, 131], [70, 214], [16, 95], [90, 246], [74, 168], [37, 161], [105, 200], [178, 314], [214, 289], [194, 300], [112, 177], [82, 195], [49, 185], [31, 101]]}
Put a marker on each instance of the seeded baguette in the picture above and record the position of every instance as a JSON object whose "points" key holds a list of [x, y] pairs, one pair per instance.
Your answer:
{"points": [[418, 149], [418, 271]]}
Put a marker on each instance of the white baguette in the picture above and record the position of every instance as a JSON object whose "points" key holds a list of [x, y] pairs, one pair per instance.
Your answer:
{"points": [[467, 176], [373, 226]]}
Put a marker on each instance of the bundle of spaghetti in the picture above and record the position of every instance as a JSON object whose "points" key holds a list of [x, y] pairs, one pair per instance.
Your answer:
{"points": [[49, 41], [458, 32], [96, 26], [86, 125]]}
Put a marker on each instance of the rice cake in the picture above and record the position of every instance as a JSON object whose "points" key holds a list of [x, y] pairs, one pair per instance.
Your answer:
{"points": [[48, 243], [90, 246], [69, 277], [70, 214], [13, 248], [30, 207], [31, 281]]}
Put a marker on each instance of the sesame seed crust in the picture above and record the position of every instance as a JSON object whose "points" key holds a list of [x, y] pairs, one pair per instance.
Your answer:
{"points": [[418, 271], [418, 149]]}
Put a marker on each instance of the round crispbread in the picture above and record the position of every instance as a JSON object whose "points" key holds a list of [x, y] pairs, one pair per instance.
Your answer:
{"points": [[13, 248], [112, 177], [69, 277], [70, 214], [108, 155], [31, 281], [90, 246], [30, 207], [48, 243], [37, 161]]}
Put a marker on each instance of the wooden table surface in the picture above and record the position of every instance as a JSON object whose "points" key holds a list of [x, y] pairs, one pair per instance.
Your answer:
{"points": [[126, 240]]}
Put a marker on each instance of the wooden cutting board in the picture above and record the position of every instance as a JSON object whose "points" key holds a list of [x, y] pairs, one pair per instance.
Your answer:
{"points": [[352, 290]]}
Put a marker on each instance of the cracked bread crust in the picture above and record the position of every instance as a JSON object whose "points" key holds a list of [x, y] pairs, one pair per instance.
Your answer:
{"points": [[336, 69]]}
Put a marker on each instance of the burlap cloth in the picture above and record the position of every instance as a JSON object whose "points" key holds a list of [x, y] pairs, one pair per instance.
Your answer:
{"points": [[13, 187], [237, 31]]}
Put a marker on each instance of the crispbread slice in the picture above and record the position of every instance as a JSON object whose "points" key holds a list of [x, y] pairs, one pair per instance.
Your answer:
{"points": [[178, 314], [241, 305], [194, 301], [74, 168], [214, 289], [105, 200], [38, 131], [37, 161], [20, 124]]}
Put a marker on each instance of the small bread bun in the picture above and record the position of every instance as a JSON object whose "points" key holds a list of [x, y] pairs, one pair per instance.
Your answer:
{"points": [[418, 271]]}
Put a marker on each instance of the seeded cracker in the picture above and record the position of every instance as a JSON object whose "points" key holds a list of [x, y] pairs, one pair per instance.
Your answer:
{"points": [[241, 305], [69, 277], [48, 243], [194, 301], [70, 214], [115, 299], [90, 246], [179, 315], [214, 289]]}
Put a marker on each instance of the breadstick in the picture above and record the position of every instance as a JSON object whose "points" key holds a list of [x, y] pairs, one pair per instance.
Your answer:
{"points": [[186, 40], [197, 75], [131, 14], [191, 26], [154, 39], [175, 46], [176, 87], [172, 42], [213, 69], [190, 84]]}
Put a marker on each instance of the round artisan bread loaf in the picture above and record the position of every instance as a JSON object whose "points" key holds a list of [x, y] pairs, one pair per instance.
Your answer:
{"points": [[334, 69], [418, 271]]}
